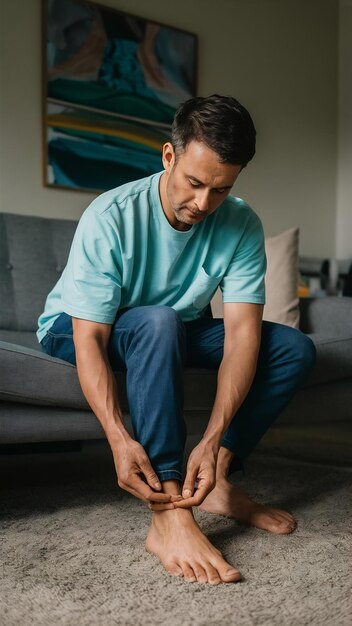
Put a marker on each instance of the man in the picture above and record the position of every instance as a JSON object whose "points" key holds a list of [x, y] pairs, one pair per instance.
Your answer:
{"points": [[144, 264]]}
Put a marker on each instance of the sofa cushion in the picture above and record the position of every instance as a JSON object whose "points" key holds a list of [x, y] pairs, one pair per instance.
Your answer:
{"points": [[33, 253], [25, 423], [33, 377], [334, 358]]}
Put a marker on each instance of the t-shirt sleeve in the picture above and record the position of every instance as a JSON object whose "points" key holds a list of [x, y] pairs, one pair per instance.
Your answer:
{"points": [[92, 278], [244, 277]]}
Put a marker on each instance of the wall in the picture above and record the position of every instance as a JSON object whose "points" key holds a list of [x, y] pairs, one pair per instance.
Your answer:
{"points": [[344, 169], [279, 57]]}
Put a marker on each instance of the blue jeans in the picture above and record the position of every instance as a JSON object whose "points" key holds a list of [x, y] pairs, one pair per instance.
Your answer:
{"points": [[153, 345]]}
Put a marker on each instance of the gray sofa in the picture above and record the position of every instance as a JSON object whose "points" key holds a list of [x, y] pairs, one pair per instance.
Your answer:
{"points": [[40, 396]]}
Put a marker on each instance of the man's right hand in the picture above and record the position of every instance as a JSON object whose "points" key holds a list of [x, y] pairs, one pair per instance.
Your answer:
{"points": [[131, 462], [99, 387]]}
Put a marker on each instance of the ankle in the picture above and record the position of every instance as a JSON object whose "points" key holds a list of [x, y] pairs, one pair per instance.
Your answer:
{"points": [[171, 517], [225, 457], [172, 487], [221, 473]]}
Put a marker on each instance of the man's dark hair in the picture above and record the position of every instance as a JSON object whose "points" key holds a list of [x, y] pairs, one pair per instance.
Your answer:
{"points": [[221, 123]]}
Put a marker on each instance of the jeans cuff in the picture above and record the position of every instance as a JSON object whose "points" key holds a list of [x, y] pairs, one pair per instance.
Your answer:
{"points": [[169, 475]]}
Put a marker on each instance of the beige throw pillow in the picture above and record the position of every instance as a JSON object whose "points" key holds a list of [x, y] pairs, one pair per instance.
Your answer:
{"points": [[281, 280]]}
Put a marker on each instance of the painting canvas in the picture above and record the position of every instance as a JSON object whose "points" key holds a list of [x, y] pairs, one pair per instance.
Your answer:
{"points": [[112, 83]]}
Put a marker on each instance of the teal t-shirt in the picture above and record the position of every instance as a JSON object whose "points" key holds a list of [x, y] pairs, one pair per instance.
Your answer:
{"points": [[125, 253]]}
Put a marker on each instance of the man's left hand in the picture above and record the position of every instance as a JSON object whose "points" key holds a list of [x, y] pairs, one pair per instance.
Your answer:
{"points": [[201, 466]]}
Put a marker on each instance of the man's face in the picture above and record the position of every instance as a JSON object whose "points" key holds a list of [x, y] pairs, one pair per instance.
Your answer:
{"points": [[194, 185]]}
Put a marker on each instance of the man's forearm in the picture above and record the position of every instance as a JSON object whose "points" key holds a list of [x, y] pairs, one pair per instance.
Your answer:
{"points": [[99, 387], [235, 376], [133, 468]]}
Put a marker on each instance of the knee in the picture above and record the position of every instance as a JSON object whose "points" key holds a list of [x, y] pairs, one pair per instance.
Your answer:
{"points": [[302, 350], [309, 353], [162, 321]]}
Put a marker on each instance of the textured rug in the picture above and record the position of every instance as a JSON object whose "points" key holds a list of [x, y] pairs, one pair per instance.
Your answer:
{"points": [[72, 549]]}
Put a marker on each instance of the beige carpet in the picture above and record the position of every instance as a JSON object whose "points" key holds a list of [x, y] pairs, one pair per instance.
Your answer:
{"points": [[72, 549]]}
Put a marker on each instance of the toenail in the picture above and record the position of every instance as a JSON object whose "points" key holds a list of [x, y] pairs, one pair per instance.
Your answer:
{"points": [[231, 572]]}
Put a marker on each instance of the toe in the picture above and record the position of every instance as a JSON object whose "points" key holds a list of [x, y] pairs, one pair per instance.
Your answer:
{"points": [[282, 526], [231, 575], [289, 528], [289, 524], [212, 574], [200, 574], [174, 569], [227, 573], [285, 521], [188, 573], [286, 516]]}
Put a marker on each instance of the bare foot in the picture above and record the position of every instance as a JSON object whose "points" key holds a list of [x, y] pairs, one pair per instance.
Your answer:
{"points": [[231, 501], [175, 537]]}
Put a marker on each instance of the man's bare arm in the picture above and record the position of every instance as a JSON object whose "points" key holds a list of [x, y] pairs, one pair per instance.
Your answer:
{"points": [[242, 323], [99, 387], [236, 372]]}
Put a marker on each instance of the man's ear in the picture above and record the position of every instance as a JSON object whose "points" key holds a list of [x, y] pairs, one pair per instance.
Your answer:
{"points": [[168, 157]]}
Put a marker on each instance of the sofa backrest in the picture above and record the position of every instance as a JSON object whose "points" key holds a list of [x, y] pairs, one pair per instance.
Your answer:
{"points": [[33, 253], [330, 316]]}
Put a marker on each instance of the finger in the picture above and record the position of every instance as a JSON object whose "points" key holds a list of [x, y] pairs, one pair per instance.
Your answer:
{"points": [[152, 496], [197, 499], [160, 506], [153, 506], [187, 503], [139, 489], [151, 477], [188, 485]]}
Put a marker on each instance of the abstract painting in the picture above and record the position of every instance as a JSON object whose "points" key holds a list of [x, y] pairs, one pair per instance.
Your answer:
{"points": [[112, 83]]}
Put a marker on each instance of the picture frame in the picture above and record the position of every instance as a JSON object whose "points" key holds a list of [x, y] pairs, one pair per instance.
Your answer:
{"points": [[111, 84]]}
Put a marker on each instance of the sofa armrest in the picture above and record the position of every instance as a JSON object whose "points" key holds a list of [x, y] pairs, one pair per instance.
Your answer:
{"points": [[331, 315]]}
